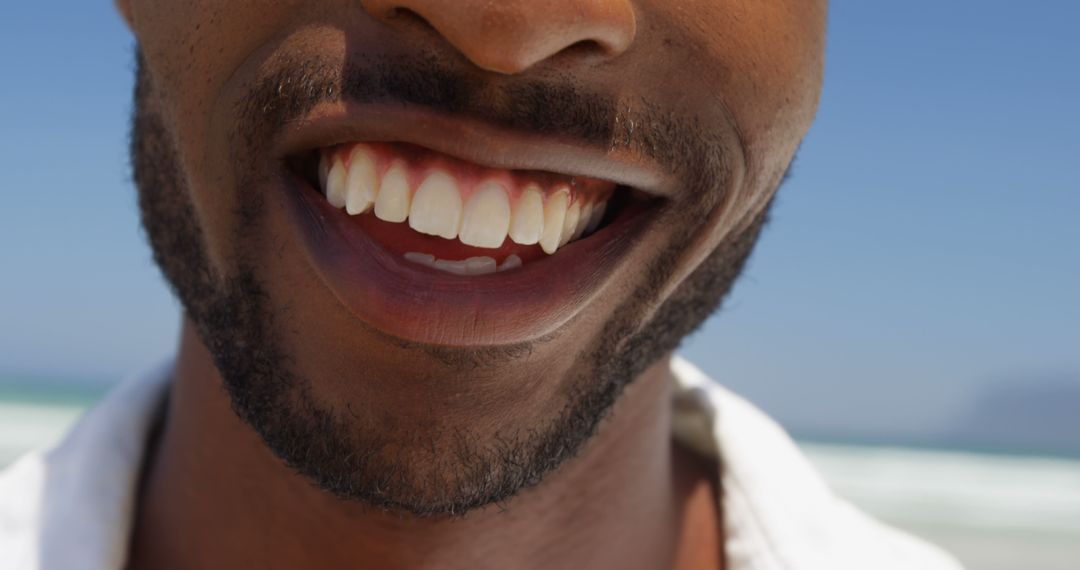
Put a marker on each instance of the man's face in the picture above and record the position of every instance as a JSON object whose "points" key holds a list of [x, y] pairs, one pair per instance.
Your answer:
{"points": [[302, 165]]}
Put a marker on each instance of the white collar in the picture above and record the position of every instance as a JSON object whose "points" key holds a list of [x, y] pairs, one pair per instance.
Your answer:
{"points": [[778, 512], [72, 507]]}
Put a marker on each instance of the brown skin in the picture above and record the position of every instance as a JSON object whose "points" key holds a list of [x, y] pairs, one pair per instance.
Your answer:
{"points": [[215, 496]]}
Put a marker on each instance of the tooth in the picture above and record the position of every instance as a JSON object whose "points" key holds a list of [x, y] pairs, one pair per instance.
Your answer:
{"points": [[573, 214], [597, 215], [324, 171], [487, 217], [457, 267], [393, 202], [421, 258], [436, 206], [527, 220], [480, 265], [335, 184], [363, 182], [511, 262], [554, 214], [583, 221]]}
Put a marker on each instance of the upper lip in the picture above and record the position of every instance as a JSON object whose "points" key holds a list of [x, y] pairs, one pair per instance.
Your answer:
{"points": [[470, 140]]}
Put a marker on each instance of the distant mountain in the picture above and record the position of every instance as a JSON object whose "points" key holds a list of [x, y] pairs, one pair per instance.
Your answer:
{"points": [[1037, 416]]}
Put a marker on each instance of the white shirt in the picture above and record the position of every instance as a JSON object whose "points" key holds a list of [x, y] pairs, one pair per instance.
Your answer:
{"points": [[71, 508]]}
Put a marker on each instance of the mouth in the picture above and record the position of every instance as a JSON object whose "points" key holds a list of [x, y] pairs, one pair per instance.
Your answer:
{"points": [[433, 248], [455, 216]]}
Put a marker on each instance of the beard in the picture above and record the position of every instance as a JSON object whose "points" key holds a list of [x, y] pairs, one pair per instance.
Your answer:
{"points": [[349, 455]]}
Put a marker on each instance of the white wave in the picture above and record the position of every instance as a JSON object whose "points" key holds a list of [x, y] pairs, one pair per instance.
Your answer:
{"points": [[944, 488]]}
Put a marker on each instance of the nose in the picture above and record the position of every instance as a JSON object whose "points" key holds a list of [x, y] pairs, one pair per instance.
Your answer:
{"points": [[510, 36]]}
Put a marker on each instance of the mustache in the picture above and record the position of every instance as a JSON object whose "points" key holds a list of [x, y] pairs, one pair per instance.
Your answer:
{"points": [[291, 88], [294, 88]]}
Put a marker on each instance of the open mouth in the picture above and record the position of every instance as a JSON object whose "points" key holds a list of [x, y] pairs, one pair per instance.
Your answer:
{"points": [[451, 215], [451, 232]]}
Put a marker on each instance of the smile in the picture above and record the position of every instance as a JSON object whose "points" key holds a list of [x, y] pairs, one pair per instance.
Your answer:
{"points": [[436, 247], [510, 214]]}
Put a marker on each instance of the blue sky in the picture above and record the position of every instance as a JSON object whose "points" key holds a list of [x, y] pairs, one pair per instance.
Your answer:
{"points": [[925, 249]]}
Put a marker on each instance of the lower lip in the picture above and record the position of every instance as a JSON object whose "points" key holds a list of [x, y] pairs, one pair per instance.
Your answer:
{"points": [[419, 304]]}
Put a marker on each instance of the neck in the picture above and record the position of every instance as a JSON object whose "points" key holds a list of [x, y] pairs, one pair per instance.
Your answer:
{"points": [[214, 496]]}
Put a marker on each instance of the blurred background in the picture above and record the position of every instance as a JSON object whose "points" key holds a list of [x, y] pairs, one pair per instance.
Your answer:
{"points": [[911, 314]]}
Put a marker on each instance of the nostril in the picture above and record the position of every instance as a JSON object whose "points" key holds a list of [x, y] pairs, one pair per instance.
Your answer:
{"points": [[585, 48], [407, 16], [582, 50]]}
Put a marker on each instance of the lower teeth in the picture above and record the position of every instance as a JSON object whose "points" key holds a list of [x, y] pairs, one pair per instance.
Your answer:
{"points": [[472, 266]]}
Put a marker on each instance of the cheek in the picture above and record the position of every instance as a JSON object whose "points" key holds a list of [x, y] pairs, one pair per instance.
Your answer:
{"points": [[190, 49], [771, 53], [762, 60], [758, 66]]}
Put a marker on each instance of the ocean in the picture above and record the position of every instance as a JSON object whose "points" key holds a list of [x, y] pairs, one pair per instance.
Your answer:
{"points": [[992, 511]]}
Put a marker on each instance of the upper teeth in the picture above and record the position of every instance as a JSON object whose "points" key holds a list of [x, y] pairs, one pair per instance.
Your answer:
{"points": [[479, 210]]}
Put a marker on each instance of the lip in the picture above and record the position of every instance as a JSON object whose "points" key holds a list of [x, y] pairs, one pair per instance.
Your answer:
{"points": [[473, 141], [418, 304]]}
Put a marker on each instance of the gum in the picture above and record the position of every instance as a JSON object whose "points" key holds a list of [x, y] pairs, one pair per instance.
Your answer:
{"points": [[420, 162]]}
